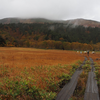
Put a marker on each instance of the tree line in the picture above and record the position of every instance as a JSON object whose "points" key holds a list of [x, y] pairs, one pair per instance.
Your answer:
{"points": [[50, 35]]}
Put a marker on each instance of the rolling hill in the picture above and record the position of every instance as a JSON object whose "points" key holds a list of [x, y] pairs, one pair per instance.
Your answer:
{"points": [[83, 22], [74, 22], [32, 20]]}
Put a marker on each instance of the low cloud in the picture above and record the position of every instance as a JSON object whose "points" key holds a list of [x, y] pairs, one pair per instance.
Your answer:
{"points": [[51, 9]]}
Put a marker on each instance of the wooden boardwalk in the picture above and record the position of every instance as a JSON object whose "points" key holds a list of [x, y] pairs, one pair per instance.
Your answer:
{"points": [[68, 89], [91, 92]]}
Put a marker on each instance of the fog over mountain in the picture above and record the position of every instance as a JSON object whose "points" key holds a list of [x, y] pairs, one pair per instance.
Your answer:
{"points": [[73, 22], [51, 9]]}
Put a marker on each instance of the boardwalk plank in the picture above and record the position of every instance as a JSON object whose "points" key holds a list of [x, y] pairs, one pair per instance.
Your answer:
{"points": [[91, 92], [91, 96], [69, 88]]}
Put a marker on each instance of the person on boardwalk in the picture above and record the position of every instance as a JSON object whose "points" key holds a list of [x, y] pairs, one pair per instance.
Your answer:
{"points": [[88, 52]]}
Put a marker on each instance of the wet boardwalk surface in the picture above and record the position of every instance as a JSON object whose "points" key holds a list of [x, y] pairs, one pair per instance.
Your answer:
{"points": [[91, 92], [68, 89]]}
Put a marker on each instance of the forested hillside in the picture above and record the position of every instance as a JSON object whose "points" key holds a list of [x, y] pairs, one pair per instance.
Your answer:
{"points": [[49, 35]]}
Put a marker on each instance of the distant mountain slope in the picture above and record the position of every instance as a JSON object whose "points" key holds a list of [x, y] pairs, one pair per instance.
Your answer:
{"points": [[84, 22], [74, 22], [28, 35], [19, 20]]}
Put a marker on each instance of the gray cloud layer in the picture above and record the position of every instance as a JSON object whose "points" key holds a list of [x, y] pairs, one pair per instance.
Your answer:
{"points": [[51, 9]]}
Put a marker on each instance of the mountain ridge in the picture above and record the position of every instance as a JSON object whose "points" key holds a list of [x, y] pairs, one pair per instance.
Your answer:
{"points": [[84, 22], [74, 22], [23, 20]]}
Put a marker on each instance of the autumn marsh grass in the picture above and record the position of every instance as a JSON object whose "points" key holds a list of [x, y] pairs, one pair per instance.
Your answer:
{"points": [[30, 74], [31, 83]]}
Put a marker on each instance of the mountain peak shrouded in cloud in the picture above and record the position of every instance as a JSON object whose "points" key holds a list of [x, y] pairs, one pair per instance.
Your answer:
{"points": [[51, 9], [73, 22], [28, 20], [83, 22]]}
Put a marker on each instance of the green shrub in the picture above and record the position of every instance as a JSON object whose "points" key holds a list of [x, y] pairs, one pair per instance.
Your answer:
{"points": [[74, 66], [24, 90], [88, 62], [65, 76], [79, 62], [19, 89], [53, 86], [86, 67]]}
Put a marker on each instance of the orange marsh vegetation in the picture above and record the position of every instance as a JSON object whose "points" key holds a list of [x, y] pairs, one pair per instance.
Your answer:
{"points": [[27, 57], [36, 65]]}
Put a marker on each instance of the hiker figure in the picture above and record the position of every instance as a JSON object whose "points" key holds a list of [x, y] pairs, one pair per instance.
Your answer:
{"points": [[88, 52]]}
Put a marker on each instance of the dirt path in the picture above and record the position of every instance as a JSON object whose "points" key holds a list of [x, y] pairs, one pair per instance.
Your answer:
{"points": [[91, 92], [68, 89]]}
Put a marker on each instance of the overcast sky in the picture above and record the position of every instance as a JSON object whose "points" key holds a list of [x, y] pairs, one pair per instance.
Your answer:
{"points": [[51, 9]]}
